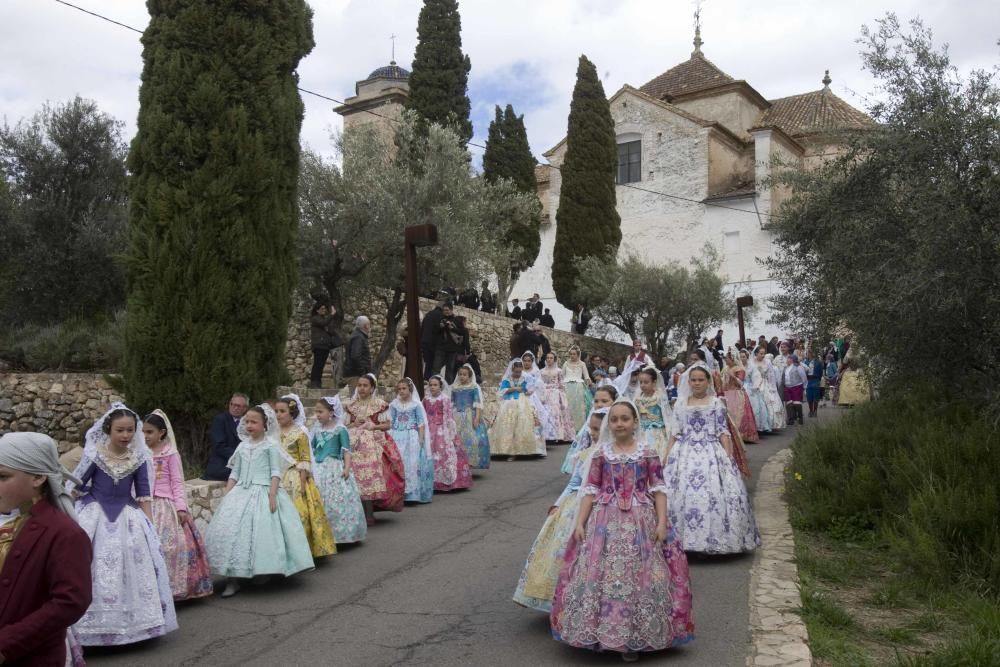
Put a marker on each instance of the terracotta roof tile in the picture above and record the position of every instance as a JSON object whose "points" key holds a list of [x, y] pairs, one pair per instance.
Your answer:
{"points": [[813, 113], [694, 74]]}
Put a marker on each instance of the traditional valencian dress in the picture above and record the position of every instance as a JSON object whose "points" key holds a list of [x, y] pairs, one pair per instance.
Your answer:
{"points": [[775, 404], [181, 544], [654, 411], [618, 590], [451, 463], [558, 425], [418, 464], [466, 399], [756, 390], [132, 599], [306, 497], [576, 377], [513, 432], [738, 403], [245, 538], [707, 500], [341, 497], [375, 458]]}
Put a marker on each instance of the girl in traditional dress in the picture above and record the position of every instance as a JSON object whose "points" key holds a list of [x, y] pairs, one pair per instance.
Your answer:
{"points": [[709, 505], [654, 409], [331, 448], [45, 557], [577, 381], [604, 397], [451, 463], [737, 400], [852, 385], [409, 431], [536, 392], [513, 433], [795, 389], [538, 579], [298, 479], [627, 383], [180, 542], [757, 391], [257, 532], [467, 398], [132, 600], [814, 385], [558, 427], [624, 582], [775, 404], [832, 377], [377, 465]]}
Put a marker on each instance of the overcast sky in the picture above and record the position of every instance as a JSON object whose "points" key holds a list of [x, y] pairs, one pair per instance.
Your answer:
{"points": [[524, 52]]}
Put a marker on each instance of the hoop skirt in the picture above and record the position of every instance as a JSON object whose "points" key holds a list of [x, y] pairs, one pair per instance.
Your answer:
{"points": [[475, 440], [341, 497], [451, 463]]}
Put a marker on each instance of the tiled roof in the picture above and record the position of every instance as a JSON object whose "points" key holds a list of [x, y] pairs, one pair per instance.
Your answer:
{"points": [[813, 113], [694, 74]]}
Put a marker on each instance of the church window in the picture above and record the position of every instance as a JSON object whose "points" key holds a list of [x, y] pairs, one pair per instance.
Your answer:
{"points": [[629, 162]]}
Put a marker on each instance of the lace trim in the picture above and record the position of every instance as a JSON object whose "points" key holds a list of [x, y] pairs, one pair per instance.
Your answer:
{"points": [[589, 490], [661, 488], [641, 451], [117, 470]]}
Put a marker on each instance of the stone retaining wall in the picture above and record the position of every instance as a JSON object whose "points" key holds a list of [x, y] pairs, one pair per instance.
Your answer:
{"points": [[203, 498]]}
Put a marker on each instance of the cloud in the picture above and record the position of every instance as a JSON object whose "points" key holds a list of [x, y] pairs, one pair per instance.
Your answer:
{"points": [[523, 52]]}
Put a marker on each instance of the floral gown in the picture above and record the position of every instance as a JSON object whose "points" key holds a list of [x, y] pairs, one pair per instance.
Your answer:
{"points": [[476, 440], [577, 393], [341, 498], [418, 465], [451, 463], [653, 422], [707, 500], [755, 381], [375, 459], [618, 590], [738, 405], [558, 424], [306, 497]]}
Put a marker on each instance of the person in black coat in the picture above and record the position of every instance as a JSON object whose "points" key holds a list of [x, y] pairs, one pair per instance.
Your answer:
{"points": [[487, 301], [528, 340], [546, 320], [359, 356], [430, 328], [324, 338], [515, 311], [451, 342], [225, 439]]}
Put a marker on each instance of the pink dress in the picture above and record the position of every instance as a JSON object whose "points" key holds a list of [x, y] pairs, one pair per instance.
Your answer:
{"points": [[617, 591], [451, 462], [181, 544], [558, 423]]}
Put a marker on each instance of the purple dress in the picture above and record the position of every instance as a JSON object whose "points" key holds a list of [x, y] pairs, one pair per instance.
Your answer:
{"points": [[132, 600], [617, 590]]}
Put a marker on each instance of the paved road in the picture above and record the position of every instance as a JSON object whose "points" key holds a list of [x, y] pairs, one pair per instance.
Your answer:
{"points": [[432, 585]]}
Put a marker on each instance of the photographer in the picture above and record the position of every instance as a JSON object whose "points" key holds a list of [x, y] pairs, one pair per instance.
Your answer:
{"points": [[450, 343], [324, 338]]}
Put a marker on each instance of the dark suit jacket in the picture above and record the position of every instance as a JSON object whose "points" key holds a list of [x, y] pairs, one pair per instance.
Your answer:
{"points": [[45, 587], [224, 443]]}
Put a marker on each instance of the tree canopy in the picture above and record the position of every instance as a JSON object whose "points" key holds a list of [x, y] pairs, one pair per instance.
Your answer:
{"points": [[587, 222], [897, 239], [213, 211]]}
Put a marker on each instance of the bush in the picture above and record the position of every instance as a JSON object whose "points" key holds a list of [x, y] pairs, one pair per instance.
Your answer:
{"points": [[73, 345], [917, 469]]}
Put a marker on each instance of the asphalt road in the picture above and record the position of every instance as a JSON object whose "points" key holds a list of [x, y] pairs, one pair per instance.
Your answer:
{"points": [[432, 586]]}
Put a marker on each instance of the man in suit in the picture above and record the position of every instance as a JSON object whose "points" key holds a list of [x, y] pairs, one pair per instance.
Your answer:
{"points": [[514, 312], [225, 440]]}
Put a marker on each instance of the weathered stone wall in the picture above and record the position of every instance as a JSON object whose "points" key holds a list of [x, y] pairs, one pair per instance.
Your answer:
{"points": [[203, 499], [63, 405]]}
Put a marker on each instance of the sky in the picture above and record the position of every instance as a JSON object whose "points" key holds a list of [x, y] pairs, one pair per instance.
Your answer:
{"points": [[523, 52]]}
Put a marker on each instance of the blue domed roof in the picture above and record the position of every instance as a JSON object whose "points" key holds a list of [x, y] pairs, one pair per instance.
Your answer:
{"points": [[390, 71]]}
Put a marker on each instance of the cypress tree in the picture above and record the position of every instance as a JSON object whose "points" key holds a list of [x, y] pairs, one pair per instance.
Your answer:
{"points": [[440, 78], [212, 205], [587, 222], [508, 155]]}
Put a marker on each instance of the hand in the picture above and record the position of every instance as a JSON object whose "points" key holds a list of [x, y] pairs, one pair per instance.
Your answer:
{"points": [[184, 517], [345, 473], [272, 502], [552, 510], [475, 422], [579, 533], [303, 477], [661, 533]]}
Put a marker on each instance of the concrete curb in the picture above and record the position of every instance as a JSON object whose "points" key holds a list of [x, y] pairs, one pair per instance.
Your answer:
{"points": [[779, 637]]}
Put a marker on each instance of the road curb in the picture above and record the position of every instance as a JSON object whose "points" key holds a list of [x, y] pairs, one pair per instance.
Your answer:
{"points": [[778, 635]]}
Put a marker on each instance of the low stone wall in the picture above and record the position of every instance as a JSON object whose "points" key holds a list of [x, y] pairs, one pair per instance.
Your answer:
{"points": [[63, 405], [203, 499]]}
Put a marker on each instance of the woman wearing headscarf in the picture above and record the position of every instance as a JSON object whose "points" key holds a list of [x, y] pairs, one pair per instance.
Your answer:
{"points": [[44, 555]]}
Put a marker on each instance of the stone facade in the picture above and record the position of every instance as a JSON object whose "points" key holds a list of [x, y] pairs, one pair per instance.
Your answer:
{"points": [[63, 405], [203, 498]]}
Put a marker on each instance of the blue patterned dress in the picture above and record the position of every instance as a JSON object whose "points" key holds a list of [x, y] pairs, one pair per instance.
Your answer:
{"points": [[707, 501], [418, 466], [341, 497], [475, 440]]}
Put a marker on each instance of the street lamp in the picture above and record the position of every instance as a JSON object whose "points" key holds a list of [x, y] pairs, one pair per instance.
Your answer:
{"points": [[415, 236]]}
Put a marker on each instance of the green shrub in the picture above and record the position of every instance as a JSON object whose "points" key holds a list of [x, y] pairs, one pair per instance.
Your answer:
{"points": [[72, 345], [917, 469]]}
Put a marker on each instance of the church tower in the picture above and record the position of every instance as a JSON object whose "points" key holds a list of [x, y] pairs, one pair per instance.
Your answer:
{"points": [[378, 99]]}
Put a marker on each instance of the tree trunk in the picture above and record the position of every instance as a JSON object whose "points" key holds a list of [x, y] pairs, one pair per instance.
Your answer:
{"points": [[396, 306]]}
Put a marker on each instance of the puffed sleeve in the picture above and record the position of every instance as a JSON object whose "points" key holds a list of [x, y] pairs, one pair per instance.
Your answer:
{"points": [[275, 461], [345, 440], [142, 483], [235, 463], [177, 482], [300, 452], [720, 418], [677, 422], [419, 418], [654, 475], [594, 476]]}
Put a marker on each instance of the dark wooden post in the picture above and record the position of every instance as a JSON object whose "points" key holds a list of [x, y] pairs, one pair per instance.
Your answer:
{"points": [[414, 237], [741, 303]]}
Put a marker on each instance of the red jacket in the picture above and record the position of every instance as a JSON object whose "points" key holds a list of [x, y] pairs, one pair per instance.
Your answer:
{"points": [[45, 587]]}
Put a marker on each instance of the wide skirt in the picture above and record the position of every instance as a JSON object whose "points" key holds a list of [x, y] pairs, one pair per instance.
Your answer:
{"points": [[513, 432], [183, 552], [739, 408], [571, 455], [451, 463], [342, 501], [246, 539], [853, 389], [309, 504], [620, 591], [557, 423], [132, 600], [707, 501], [367, 465], [761, 412], [658, 438], [417, 466], [775, 406], [580, 401], [476, 441], [540, 575], [394, 477]]}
